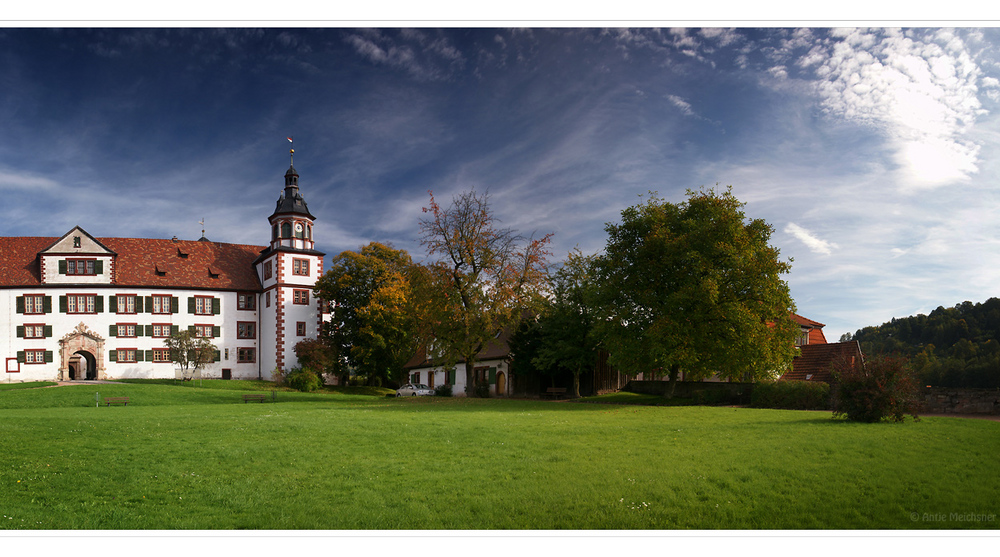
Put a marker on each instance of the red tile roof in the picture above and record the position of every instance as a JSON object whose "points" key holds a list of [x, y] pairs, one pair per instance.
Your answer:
{"points": [[143, 262], [815, 361]]}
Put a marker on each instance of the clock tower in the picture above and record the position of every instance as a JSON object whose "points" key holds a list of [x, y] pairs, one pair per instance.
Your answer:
{"points": [[288, 270]]}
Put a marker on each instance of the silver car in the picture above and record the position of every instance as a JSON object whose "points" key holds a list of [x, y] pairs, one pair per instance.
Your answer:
{"points": [[411, 389]]}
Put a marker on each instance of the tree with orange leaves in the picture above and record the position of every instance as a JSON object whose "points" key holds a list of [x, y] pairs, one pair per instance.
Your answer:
{"points": [[480, 281]]}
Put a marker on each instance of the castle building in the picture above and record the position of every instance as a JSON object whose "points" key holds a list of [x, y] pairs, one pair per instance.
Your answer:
{"points": [[79, 307]]}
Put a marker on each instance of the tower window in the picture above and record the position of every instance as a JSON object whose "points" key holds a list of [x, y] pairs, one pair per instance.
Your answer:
{"points": [[274, 232], [286, 230]]}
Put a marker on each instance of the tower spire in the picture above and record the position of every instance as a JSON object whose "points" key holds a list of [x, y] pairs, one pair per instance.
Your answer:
{"points": [[291, 152]]}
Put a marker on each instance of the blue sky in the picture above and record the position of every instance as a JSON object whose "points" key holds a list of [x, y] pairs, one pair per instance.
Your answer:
{"points": [[872, 152]]}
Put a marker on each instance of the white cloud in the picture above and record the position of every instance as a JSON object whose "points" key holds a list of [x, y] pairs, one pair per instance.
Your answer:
{"points": [[814, 244], [920, 89]]}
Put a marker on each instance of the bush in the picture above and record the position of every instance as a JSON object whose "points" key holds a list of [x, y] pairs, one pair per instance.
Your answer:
{"points": [[791, 395], [482, 390], [442, 390], [882, 387], [303, 380]]}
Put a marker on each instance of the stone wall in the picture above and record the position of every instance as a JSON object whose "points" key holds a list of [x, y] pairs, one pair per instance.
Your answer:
{"points": [[945, 400]]}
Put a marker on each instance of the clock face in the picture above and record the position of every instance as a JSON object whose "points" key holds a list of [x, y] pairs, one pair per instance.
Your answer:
{"points": [[298, 227]]}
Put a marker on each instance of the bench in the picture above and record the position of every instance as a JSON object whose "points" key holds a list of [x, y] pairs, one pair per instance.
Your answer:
{"points": [[109, 400], [257, 397], [555, 392]]}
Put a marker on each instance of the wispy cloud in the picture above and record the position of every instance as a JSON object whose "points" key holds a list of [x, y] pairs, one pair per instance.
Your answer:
{"points": [[816, 245]]}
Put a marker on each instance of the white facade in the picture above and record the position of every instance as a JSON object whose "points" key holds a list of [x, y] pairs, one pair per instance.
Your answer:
{"points": [[82, 308], [495, 372]]}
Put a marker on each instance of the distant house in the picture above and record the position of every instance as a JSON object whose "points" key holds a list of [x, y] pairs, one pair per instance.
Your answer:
{"points": [[493, 367], [817, 356]]}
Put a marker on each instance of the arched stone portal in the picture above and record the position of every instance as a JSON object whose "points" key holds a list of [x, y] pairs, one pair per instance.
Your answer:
{"points": [[81, 355]]}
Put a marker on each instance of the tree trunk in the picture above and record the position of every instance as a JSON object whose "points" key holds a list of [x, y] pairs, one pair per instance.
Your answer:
{"points": [[668, 393], [576, 381], [470, 374]]}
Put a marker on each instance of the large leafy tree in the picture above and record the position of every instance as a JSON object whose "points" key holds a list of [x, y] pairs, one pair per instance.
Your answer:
{"points": [[566, 327], [480, 279], [372, 329], [695, 286]]}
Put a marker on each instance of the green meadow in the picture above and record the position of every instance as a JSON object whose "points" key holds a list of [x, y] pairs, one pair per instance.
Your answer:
{"points": [[196, 457]]}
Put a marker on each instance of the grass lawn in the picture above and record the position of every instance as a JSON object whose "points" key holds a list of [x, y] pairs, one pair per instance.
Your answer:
{"points": [[190, 457]]}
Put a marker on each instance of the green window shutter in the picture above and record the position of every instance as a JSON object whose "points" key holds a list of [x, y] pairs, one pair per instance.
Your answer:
{"points": [[20, 331], [149, 304], [174, 305], [149, 355], [99, 304], [47, 331], [112, 355], [191, 329], [493, 376], [451, 377], [112, 304], [20, 356], [62, 266], [138, 355], [99, 267], [190, 305], [174, 355], [113, 330], [216, 331], [216, 306], [218, 355], [47, 304], [48, 356], [63, 304], [19, 302], [149, 330], [138, 304], [174, 329]]}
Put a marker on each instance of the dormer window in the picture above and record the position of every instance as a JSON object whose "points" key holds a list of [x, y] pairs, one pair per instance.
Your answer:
{"points": [[76, 241]]}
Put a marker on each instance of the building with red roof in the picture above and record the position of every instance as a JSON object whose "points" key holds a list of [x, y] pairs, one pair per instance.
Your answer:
{"points": [[80, 307]]}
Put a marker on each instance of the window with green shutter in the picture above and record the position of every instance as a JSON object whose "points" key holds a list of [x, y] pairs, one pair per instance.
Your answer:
{"points": [[493, 376], [20, 331], [62, 266]]}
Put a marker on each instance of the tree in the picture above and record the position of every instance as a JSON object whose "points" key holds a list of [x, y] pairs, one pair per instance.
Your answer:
{"points": [[695, 286], [189, 352], [567, 325], [373, 327], [483, 280]]}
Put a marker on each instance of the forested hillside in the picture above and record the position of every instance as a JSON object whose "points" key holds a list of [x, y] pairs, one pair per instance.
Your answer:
{"points": [[951, 347]]}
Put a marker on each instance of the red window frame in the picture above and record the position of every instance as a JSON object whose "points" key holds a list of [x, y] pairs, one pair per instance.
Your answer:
{"points": [[123, 326], [119, 303], [89, 267], [165, 303], [300, 328], [246, 355], [243, 326], [92, 298], [161, 356], [246, 301], [268, 270], [300, 297], [206, 305], [36, 354], [32, 327], [201, 328], [163, 327], [122, 355], [300, 267], [37, 301]]}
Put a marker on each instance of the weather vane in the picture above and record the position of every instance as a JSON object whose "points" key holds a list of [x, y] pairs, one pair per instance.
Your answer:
{"points": [[202, 223], [291, 152]]}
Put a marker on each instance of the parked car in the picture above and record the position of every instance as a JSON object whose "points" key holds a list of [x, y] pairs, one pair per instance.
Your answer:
{"points": [[411, 389]]}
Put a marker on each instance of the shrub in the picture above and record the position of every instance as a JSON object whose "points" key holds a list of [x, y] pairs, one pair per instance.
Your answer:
{"points": [[482, 390], [791, 395], [881, 387], [303, 380], [443, 390]]}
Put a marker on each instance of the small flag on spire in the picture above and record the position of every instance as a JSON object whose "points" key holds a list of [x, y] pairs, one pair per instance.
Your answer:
{"points": [[289, 139]]}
